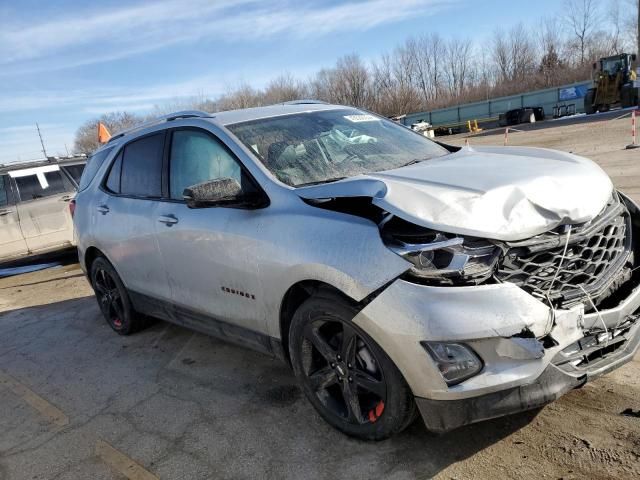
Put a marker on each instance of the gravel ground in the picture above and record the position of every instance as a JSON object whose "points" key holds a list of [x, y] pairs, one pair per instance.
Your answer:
{"points": [[78, 401]]}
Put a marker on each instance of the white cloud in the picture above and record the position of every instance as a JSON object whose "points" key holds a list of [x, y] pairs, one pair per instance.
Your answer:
{"points": [[96, 36]]}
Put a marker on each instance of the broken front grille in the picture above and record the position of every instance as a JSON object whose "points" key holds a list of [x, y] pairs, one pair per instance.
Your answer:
{"points": [[597, 260], [597, 348]]}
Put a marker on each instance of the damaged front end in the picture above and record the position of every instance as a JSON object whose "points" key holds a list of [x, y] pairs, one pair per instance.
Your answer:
{"points": [[541, 316]]}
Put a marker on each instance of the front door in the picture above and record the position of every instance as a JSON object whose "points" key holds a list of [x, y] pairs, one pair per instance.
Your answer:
{"points": [[43, 209], [12, 243], [210, 253]]}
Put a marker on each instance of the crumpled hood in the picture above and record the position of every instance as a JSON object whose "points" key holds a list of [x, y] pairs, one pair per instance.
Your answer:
{"points": [[501, 193]]}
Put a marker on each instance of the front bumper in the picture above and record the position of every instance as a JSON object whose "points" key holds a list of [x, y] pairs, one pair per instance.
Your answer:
{"points": [[491, 319], [444, 415]]}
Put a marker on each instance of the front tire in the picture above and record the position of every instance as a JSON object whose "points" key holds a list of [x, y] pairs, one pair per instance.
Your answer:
{"points": [[113, 298], [346, 376]]}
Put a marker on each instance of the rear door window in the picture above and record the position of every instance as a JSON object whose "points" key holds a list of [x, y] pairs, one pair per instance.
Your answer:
{"points": [[141, 174], [40, 184], [4, 190], [93, 165], [74, 171]]}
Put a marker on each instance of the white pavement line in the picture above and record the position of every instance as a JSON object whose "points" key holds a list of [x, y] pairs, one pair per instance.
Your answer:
{"points": [[121, 463], [54, 414]]}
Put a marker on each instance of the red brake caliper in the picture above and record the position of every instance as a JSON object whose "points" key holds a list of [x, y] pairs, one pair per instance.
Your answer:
{"points": [[376, 413]]}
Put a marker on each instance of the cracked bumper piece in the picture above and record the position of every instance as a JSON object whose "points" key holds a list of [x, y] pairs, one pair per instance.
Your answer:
{"points": [[444, 415]]}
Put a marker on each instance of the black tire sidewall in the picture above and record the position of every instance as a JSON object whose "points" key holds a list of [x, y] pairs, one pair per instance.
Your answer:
{"points": [[399, 410], [128, 324]]}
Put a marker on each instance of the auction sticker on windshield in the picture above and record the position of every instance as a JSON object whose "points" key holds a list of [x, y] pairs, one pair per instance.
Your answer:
{"points": [[361, 118]]}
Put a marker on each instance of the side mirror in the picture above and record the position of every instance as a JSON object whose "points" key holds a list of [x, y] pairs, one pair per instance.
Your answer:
{"points": [[219, 193], [594, 66], [633, 57]]}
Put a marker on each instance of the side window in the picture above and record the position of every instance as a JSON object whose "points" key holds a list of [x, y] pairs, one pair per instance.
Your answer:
{"points": [[197, 157], [40, 184], [113, 180], [93, 165], [4, 190], [141, 173], [74, 171]]}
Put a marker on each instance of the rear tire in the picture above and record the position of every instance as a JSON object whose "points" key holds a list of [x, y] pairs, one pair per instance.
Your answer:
{"points": [[113, 299], [346, 376], [589, 108]]}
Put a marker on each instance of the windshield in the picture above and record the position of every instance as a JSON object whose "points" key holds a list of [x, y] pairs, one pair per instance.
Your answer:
{"points": [[316, 147], [613, 65]]}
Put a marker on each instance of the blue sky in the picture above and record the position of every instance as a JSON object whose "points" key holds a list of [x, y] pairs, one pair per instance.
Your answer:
{"points": [[64, 62]]}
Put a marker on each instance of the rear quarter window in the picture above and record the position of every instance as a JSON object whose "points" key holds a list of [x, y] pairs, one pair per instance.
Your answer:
{"points": [[93, 165]]}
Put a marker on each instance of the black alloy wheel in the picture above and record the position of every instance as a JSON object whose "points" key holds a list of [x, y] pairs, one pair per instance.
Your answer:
{"points": [[113, 298], [345, 374]]}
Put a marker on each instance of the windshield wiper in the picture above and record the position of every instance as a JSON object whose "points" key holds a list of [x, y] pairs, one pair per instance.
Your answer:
{"points": [[318, 182], [413, 162]]}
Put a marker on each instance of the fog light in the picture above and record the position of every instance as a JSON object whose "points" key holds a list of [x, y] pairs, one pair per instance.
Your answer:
{"points": [[456, 361]]}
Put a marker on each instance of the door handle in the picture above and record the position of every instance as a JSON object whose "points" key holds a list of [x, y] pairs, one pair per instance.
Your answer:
{"points": [[4, 212], [168, 220], [66, 198], [103, 209]]}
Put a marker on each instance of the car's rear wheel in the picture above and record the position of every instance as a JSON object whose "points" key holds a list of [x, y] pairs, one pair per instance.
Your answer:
{"points": [[113, 298], [346, 376]]}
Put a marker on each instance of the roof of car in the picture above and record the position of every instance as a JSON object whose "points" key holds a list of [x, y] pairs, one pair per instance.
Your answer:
{"points": [[228, 117], [60, 161], [247, 114]]}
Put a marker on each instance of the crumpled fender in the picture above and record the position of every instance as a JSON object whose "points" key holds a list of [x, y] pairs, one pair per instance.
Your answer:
{"points": [[501, 193]]}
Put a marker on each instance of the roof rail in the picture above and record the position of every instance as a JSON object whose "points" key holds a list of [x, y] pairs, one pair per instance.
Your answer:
{"points": [[164, 118], [305, 102]]}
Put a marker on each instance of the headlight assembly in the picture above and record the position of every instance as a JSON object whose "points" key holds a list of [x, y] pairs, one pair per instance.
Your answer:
{"points": [[449, 259]]}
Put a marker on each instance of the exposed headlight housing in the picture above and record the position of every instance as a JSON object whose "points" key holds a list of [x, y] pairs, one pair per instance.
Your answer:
{"points": [[442, 258], [456, 361]]}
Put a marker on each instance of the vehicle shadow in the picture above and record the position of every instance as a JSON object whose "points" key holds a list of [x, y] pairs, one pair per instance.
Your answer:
{"points": [[210, 396], [39, 262]]}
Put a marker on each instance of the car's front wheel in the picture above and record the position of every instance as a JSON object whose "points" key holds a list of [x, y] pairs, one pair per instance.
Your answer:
{"points": [[347, 377]]}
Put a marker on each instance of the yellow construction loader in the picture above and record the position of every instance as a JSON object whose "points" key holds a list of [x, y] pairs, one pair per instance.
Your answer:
{"points": [[614, 84]]}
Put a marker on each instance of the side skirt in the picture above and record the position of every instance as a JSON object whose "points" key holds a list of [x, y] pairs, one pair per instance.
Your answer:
{"points": [[207, 325]]}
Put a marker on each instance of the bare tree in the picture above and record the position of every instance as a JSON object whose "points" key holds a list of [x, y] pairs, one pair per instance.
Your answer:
{"points": [[284, 88], [427, 53], [243, 96], [86, 139], [582, 16], [457, 65]]}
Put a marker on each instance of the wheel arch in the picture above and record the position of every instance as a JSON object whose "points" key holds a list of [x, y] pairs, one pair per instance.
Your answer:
{"points": [[295, 296], [90, 256]]}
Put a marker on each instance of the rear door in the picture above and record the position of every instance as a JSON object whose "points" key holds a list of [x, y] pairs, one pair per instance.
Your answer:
{"points": [[44, 194], [125, 217], [12, 243]]}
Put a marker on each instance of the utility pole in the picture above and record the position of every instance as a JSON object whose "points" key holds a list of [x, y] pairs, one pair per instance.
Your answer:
{"points": [[44, 150]]}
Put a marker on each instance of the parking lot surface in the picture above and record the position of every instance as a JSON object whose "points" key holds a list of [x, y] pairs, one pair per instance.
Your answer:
{"points": [[79, 401]]}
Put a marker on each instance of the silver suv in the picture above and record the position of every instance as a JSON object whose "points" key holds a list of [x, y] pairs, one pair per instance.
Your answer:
{"points": [[395, 274]]}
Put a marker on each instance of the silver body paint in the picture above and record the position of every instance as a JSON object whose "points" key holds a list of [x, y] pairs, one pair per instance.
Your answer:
{"points": [[497, 193]]}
